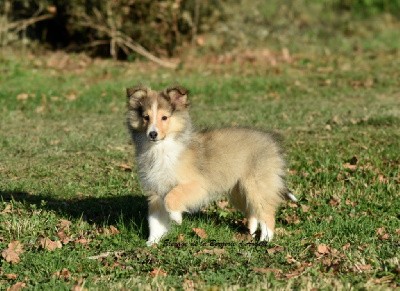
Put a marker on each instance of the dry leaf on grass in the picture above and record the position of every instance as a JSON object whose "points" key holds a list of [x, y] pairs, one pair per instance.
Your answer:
{"points": [[275, 249], [7, 209], [216, 251], [305, 208], [323, 249], [106, 254], [290, 259], [79, 285], [22, 96], [114, 230], [64, 224], [188, 285], [71, 96], [17, 286], [382, 233], [200, 232], [64, 274], [11, 276], [362, 267], [82, 241], [292, 219], [276, 272], [63, 237], [125, 167], [181, 237], [346, 246], [49, 245], [158, 272], [299, 271], [11, 254]]}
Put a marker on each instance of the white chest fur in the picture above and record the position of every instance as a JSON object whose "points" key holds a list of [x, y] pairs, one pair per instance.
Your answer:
{"points": [[158, 165]]}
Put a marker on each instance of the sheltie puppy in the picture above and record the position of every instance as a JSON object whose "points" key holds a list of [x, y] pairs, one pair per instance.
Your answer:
{"points": [[181, 170]]}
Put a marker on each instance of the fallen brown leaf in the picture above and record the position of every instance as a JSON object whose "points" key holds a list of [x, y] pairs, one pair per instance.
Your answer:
{"points": [[64, 274], [181, 237], [114, 230], [82, 241], [276, 272], [362, 267], [382, 234], [290, 259], [346, 246], [305, 208], [49, 245], [17, 286], [64, 224], [107, 254], [200, 232], [334, 202], [216, 251], [275, 249], [71, 96], [188, 285], [323, 249], [158, 272], [63, 237], [299, 271], [22, 96], [7, 209], [11, 276], [11, 254], [350, 166], [125, 167], [292, 219]]}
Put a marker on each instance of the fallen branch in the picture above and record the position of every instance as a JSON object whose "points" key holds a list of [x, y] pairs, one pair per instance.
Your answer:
{"points": [[105, 255], [19, 25], [124, 41]]}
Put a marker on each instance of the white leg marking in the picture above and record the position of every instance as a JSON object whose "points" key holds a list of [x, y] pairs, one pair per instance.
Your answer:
{"points": [[176, 216], [292, 197], [266, 233], [159, 225], [253, 223]]}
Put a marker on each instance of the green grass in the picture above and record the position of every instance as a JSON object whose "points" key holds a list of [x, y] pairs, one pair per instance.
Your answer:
{"points": [[65, 158]]}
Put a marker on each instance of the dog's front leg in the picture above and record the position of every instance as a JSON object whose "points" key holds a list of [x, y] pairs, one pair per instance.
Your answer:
{"points": [[182, 198], [158, 218]]}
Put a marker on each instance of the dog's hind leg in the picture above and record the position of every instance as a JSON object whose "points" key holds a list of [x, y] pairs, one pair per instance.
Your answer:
{"points": [[237, 197], [262, 201], [158, 218]]}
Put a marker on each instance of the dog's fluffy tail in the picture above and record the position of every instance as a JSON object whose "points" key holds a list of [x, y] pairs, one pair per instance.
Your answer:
{"points": [[287, 194]]}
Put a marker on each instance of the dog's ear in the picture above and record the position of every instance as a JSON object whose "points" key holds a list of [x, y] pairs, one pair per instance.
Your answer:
{"points": [[178, 96], [135, 95]]}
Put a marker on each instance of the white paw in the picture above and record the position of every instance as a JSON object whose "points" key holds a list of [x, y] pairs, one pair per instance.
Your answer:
{"points": [[151, 242], [253, 223], [159, 226], [266, 233], [176, 216]]}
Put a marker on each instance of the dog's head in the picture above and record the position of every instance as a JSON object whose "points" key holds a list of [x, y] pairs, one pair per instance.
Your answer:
{"points": [[157, 114]]}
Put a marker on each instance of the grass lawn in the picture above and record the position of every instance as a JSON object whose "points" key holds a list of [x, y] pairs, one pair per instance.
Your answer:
{"points": [[72, 213]]}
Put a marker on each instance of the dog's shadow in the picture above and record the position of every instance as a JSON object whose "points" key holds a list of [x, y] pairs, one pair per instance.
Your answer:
{"points": [[127, 209]]}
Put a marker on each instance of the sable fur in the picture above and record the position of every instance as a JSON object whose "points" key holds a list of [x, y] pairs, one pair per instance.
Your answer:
{"points": [[182, 170]]}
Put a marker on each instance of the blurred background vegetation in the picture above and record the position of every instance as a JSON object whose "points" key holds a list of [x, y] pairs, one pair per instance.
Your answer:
{"points": [[128, 29]]}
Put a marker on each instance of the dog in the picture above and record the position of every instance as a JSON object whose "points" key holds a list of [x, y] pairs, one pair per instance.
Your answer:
{"points": [[182, 170]]}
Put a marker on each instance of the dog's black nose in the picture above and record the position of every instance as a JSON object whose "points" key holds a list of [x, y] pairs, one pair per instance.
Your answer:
{"points": [[153, 134]]}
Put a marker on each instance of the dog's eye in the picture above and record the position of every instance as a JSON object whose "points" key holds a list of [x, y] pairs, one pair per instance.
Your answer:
{"points": [[146, 117], [164, 117]]}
